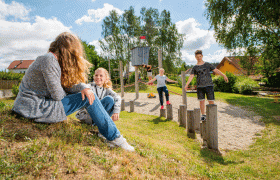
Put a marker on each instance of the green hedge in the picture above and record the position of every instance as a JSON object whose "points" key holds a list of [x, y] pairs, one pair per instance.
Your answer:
{"points": [[245, 85], [10, 76], [236, 84], [15, 89], [221, 85]]}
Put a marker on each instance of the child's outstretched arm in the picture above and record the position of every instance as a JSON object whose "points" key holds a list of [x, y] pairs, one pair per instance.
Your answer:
{"points": [[189, 81], [152, 80], [217, 71], [169, 80]]}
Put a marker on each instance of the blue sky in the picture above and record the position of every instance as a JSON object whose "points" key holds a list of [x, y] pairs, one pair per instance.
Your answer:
{"points": [[27, 27]]}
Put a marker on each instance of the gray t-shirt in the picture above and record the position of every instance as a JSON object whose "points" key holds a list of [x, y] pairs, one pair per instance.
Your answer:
{"points": [[203, 75], [160, 80]]}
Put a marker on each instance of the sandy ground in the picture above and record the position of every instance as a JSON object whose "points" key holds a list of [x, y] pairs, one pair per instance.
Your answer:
{"points": [[236, 126]]}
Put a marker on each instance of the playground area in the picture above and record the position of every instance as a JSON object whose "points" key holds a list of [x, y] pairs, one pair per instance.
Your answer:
{"points": [[236, 126]]}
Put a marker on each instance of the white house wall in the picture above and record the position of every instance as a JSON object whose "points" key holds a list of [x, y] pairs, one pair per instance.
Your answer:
{"points": [[18, 70]]}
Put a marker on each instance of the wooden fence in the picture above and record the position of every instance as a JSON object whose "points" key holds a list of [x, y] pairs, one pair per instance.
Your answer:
{"points": [[8, 84]]}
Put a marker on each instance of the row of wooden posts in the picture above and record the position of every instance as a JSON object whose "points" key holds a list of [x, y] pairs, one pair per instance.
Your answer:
{"points": [[190, 119]]}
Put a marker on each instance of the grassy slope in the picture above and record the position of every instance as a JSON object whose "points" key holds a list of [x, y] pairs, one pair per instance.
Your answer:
{"points": [[163, 150]]}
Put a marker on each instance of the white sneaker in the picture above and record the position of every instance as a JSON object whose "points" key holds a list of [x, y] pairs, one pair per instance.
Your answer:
{"points": [[121, 142], [84, 116], [101, 136]]}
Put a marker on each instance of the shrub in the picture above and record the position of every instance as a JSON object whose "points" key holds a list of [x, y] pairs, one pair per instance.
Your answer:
{"points": [[245, 85], [193, 83], [221, 85], [179, 79], [15, 89], [2, 105], [10, 76], [274, 81], [265, 81], [132, 77]]}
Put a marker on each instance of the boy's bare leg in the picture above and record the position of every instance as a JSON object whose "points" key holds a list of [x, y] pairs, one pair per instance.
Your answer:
{"points": [[202, 106]]}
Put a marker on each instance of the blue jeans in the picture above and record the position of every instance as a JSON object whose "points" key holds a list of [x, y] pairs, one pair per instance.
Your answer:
{"points": [[97, 112], [108, 104], [160, 93]]}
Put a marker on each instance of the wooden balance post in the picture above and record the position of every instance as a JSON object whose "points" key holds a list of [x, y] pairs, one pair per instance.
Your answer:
{"points": [[122, 105], [209, 128], [131, 104], [163, 113]]}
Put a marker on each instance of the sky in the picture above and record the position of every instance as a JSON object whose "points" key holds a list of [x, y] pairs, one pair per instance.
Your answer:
{"points": [[27, 27]]}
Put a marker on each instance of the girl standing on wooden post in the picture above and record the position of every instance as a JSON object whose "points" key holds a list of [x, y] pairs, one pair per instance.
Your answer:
{"points": [[161, 86]]}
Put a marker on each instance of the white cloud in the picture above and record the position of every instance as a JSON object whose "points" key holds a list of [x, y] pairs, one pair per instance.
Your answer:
{"points": [[217, 56], [27, 40], [97, 15], [93, 0], [194, 37], [188, 57], [15, 9], [97, 46]]}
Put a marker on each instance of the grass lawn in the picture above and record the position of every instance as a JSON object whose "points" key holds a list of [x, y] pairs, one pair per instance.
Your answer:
{"points": [[73, 150]]}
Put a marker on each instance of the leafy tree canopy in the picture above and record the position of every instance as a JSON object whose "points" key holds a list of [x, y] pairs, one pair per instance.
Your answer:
{"points": [[250, 24], [94, 59], [121, 33]]}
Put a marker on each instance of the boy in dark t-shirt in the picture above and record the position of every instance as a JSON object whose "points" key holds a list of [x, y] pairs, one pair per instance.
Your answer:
{"points": [[204, 81]]}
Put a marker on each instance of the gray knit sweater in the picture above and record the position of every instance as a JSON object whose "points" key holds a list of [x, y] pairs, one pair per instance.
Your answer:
{"points": [[41, 92]]}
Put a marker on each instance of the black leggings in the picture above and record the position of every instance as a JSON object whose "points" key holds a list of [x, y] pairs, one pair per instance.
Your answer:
{"points": [[160, 93]]}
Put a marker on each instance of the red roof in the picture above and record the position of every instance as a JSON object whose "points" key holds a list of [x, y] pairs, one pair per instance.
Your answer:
{"points": [[20, 64]]}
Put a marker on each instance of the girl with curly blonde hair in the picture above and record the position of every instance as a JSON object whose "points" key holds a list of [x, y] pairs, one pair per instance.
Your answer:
{"points": [[54, 87]]}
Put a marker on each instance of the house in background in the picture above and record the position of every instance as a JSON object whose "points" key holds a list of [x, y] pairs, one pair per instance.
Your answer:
{"points": [[20, 66], [232, 64]]}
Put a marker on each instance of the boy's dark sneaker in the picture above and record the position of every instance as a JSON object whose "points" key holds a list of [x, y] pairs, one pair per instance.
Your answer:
{"points": [[203, 118]]}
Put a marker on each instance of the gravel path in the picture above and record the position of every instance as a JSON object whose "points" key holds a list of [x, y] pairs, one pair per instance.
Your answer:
{"points": [[236, 126]]}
